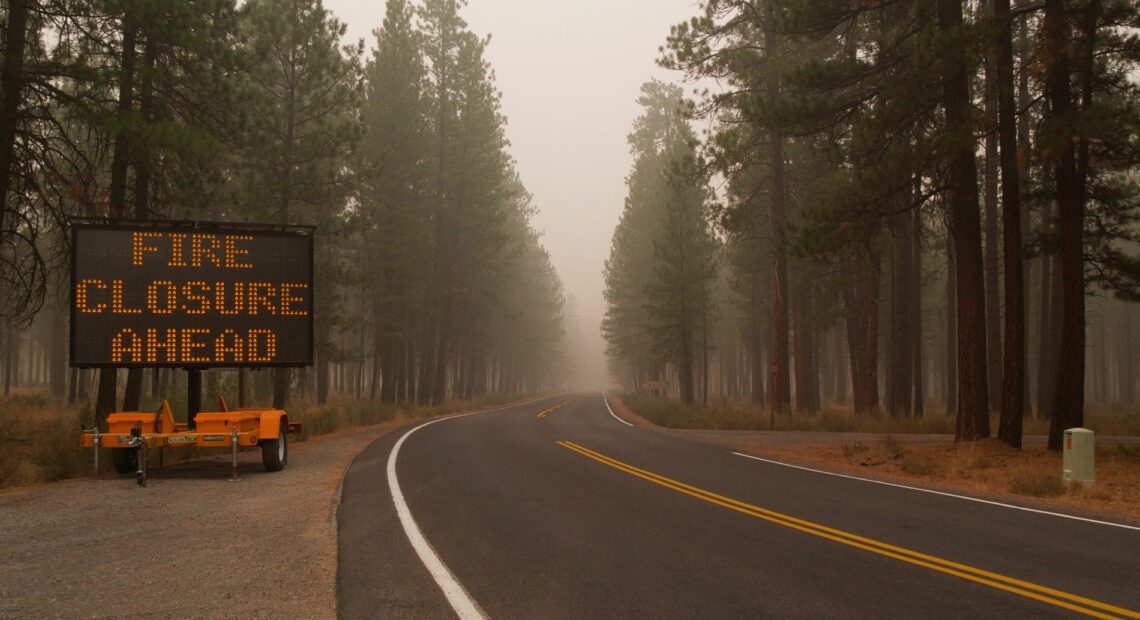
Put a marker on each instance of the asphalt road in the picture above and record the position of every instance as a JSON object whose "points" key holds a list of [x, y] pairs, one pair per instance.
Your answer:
{"points": [[556, 509]]}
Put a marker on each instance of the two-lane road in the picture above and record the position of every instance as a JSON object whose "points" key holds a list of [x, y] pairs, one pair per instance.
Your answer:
{"points": [[556, 509]]}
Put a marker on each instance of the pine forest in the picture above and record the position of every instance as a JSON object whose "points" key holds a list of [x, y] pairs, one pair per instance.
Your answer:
{"points": [[917, 208], [905, 209], [432, 283]]}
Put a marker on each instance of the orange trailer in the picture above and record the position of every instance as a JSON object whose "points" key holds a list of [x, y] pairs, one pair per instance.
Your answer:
{"points": [[132, 431]]}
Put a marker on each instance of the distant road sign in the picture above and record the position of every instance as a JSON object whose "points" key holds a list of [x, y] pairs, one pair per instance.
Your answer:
{"points": [[190, 294]]}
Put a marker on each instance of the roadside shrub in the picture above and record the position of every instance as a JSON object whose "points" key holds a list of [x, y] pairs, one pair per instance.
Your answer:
{"points": [[853, 450], [1036, 484], [919, 466], [742, 415]]}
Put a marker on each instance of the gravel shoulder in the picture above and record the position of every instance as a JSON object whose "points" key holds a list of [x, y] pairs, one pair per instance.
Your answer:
{"points": [[189, 545]]}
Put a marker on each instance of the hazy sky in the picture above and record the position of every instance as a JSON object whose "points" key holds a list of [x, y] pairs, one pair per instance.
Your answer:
{"points": [[569, 74]]}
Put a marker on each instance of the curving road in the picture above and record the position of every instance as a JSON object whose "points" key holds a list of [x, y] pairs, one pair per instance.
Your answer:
{"points": [[556, 509]]}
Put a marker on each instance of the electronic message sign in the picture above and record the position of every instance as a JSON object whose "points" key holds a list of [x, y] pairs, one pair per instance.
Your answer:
{"points": [[191, 294]]}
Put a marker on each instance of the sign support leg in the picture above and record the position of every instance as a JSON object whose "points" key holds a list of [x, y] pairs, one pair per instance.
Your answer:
{"points": [[193, 395]]}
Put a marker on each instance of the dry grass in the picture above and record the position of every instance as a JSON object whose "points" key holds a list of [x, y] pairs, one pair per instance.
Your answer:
{"points": [[39, 440], [985, 467], [1114, 420]]}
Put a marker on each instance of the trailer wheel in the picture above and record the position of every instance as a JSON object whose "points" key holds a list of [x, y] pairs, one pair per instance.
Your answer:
{"points": [[275, 452], [125, 460]]}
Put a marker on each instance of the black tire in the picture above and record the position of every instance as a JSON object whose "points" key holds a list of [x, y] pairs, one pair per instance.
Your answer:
{"points": [[275, 452], [126, 460]]}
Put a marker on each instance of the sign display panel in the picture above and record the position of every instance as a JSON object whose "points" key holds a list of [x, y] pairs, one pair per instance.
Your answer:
{"points": [[191, 295]]}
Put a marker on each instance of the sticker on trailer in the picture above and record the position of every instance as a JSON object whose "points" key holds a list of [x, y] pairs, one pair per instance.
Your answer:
{"points": [[182, 439]]}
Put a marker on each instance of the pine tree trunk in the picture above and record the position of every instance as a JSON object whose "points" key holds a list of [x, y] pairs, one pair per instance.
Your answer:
{"points": [[869, 273], [951, 328], [427, 374], [973, 412], [1013, 372], [323, 346], [840, 370], [1124, 363], [807, 371], [132, 393], [1023, 149], [105, 401], [439, 391], [58, 368], [11, 87], [9, 357], [781, 386], [73, 387], [106, 396], [993, 284], [282, 378], [861, 303], [916, 313], [1068, 409], [901, 348], [756, 342]]}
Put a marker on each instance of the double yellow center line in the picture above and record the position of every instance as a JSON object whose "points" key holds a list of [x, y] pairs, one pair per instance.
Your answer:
{"points": [[558, 406], [1001, 582]]}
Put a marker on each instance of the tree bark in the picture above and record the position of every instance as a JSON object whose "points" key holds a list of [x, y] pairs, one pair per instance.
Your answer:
{"points": [[1068, 410], [106, 395], [869, 273], [1023, 146], [992, 254], [973, 413], [756, 345], [439, 382], [105, 402], [807, 370], [1124, 363], [916, 312], [12, 86], [951, 328], [901, 349], [861, 303], [1013, 372], [58, 358], [781, 386], [282, 378], [9, 357]]}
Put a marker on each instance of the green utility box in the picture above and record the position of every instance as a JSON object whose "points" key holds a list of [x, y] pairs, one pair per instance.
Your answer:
{"points": [[1077, 460]]}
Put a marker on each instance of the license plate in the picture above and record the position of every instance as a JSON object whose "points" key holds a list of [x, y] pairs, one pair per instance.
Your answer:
{"points": [[213, 437]]}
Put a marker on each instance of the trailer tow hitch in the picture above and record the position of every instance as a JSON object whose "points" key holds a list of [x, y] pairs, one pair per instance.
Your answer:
{"points": [[137, 442]]}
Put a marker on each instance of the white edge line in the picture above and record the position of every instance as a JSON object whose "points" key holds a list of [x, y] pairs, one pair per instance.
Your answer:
{"points": [[465, 606], [920, 489], [607, 402]]}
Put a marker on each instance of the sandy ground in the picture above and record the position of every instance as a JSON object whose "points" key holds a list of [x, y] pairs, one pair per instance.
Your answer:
{"points": [[190, 545]]}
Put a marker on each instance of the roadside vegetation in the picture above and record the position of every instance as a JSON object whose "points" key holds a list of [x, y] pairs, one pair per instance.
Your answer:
{"points": [[722, 414], [987, 467], [39, 433]]}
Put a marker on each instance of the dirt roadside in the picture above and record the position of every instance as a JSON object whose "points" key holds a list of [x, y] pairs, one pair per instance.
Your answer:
{"points": [[986, 469], [190, 545]]}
